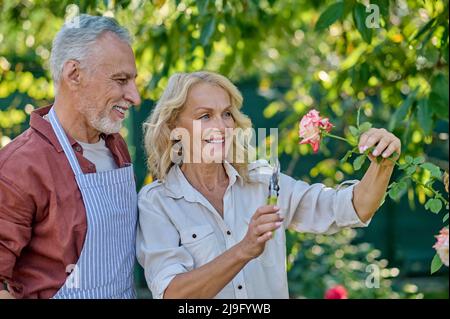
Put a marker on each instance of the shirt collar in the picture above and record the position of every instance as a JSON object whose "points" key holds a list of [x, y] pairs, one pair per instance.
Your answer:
{"points": [[179, 186], [44, 127], [232, 173]]}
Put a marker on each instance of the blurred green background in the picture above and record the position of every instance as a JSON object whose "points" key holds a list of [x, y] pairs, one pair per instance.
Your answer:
{"points": [[286, 56]]}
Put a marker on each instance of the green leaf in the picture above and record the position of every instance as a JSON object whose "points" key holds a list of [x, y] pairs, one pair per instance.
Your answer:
{"points": [[351, 60], [346, 157], [202, 6], [445, 218], [433, 169], [409, 159], [394, 155], [411, 170], [397, 189], [359, 16], [358, 116], [438, 99], [208, 31], [364, 127], [393, 194], [426, 27], [122, 4], [383, 5], [434, 205], [425, 116], [401, 113], [444, 52], [418, 160], [436, 264], [358, 162], [154, 81], [364, 73], [330, 16], [353, 130]]}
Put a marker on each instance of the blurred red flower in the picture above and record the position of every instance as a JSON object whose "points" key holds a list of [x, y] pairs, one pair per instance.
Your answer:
{"points": [[336, 292]]}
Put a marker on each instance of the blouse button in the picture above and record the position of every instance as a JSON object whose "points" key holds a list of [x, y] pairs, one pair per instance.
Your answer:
{"points": [[240, 287], [78, 148], [194, 236], [228, 232]]}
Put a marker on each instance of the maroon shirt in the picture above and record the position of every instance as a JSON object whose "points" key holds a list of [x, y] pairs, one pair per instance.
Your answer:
{"points": [[42, 215]]}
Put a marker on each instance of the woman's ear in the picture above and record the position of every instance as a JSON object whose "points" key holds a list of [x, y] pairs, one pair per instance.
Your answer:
{"points": [[173, 125]]}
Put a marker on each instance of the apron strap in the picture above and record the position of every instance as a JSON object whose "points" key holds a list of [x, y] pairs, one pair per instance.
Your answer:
{"points": [[64, 141]]}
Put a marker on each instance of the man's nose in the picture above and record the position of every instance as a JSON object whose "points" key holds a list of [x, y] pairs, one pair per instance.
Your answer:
{"points": [[132, 94]]}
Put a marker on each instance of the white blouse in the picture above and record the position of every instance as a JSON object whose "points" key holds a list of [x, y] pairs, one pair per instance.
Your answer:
{"points": [[179, 230]]}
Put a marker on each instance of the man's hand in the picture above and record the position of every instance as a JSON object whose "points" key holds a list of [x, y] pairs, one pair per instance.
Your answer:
{"points": [[263, 223]]}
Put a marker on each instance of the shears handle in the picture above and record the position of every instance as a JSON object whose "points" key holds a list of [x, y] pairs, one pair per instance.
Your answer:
{"points": [[272, 200]]}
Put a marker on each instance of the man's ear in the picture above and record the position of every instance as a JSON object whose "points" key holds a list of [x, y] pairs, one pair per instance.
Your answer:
{"points": [[71, 73]]}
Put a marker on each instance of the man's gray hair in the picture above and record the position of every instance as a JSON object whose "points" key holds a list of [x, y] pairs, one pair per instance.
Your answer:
{"points": [[75, 39]]}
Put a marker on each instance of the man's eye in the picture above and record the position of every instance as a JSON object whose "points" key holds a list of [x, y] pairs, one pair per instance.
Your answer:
{"points": [[121, 81]]}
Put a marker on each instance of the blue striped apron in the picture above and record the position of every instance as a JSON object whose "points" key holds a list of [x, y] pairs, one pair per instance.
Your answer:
{"points": [[105, 266]]}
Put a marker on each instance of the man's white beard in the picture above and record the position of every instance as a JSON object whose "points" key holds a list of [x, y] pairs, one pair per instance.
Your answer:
{"points": [[102, 123]]}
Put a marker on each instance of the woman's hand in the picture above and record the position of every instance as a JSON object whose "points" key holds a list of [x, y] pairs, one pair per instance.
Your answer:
{"points": [[385, 144], [370, 191], [208, 280], [263, 223], [4, 294]]}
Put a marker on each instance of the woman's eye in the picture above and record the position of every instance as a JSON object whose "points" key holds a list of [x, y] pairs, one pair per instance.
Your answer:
{"points": [[227, 114], [205, 116]]}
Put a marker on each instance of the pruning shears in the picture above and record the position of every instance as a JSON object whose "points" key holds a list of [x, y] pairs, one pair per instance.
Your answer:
{"points": [[274, 187]]}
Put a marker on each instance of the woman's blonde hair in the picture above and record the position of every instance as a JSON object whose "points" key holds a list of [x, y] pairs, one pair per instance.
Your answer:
{"points": [[158, 126]]}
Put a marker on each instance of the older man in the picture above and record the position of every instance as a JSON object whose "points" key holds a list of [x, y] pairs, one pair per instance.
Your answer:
{"points": [[67, 192]]}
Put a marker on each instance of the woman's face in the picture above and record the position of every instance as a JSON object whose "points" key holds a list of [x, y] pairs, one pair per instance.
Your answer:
{"points": [[207, 119]]}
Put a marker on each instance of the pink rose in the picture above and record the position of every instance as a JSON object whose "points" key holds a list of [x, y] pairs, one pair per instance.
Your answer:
{"points": [[441, 245], [311, 128], [336, 292]]}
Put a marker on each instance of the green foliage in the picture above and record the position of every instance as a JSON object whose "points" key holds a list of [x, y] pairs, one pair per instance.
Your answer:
{"points": [[318, 262], [424, 174]]}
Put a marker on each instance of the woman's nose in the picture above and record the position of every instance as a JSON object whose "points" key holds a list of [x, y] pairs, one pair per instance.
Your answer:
{"points": [[221, 123]]}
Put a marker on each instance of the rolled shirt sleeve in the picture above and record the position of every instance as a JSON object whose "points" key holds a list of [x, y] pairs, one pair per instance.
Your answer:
{"points": [[316, 208], [16, 216], [158, 244]]}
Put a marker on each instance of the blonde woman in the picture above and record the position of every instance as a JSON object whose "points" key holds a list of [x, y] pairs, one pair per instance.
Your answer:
{"points": [[204, 229]]}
